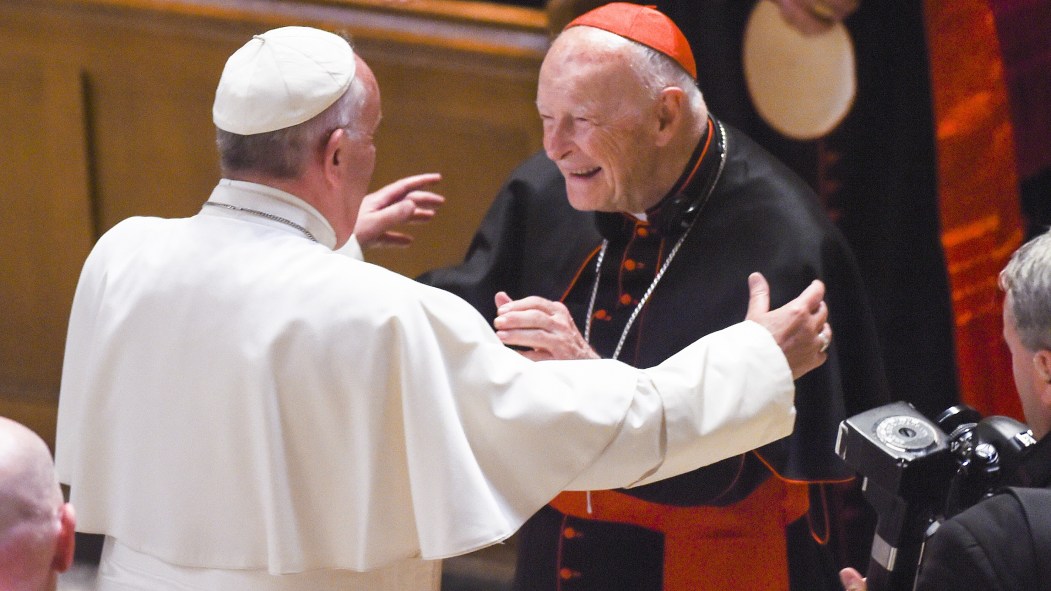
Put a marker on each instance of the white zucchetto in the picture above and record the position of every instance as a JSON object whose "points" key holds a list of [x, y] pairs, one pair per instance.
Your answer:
{"points": [[282, 78]]}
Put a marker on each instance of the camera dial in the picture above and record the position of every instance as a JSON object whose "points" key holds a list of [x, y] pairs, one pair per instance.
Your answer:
{"points": [[906, 433]]}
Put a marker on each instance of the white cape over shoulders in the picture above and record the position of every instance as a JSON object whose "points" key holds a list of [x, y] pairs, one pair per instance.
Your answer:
{"points": [[235, 396]]}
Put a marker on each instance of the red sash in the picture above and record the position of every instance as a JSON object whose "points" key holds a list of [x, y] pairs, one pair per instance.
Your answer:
{"points": [[741, 546]]}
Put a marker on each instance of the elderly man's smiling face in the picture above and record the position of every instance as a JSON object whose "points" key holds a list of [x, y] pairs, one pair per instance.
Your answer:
{"points": [[600, 122]]}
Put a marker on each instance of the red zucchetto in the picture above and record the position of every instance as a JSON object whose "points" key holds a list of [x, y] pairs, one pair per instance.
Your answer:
{"points": [[642, 24]]}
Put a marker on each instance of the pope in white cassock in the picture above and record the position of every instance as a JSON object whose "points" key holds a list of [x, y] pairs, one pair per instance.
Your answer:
{"points": [[246, 404]]}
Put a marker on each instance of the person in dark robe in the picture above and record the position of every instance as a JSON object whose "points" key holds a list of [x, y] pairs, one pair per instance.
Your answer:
{"points": [[875, 172], [876, 175], [631, 234]]}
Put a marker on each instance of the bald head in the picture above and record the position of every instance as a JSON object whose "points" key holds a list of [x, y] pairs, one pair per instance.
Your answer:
{"points": [[28, 488], [36, 527]]}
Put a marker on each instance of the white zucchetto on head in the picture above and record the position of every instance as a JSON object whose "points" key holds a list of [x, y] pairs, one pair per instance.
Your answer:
{"points": [[282, 78]]}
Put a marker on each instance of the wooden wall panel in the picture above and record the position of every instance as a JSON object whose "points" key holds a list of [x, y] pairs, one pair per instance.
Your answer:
{"points": [[152, 139], [436, 119], [45, 229], [105, 107]]}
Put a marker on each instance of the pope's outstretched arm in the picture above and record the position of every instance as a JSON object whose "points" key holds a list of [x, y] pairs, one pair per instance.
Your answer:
{"points": [[727, 393], [544, 329]]}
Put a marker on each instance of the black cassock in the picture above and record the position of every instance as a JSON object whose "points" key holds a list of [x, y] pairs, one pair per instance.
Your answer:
{"points": [[741, 211]]}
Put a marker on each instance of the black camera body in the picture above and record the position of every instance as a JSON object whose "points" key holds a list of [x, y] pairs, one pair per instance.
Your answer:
{"points": [[918, 472]]}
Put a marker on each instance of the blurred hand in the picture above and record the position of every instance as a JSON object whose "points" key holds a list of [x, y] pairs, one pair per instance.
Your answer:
{"points": [[811, 17], [543, 327], [800, 327], [403, 201], [852, 580]]}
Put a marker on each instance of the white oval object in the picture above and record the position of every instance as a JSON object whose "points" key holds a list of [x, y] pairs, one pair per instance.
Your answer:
{"points": [[802, 86]]}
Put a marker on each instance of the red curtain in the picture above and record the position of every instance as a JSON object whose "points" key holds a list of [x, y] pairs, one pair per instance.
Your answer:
{"points": [[978, 191]]}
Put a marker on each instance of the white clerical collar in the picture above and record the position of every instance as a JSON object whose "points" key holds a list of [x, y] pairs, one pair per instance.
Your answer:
{"points": [[298, 215]]}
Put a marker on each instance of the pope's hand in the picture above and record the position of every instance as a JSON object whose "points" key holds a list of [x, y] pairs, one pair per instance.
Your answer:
{"points": [[800, 327], [403, 201], [542, 328]]}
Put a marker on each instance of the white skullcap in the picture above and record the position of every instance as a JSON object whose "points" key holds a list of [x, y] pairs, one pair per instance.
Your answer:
{"points": [[282, 78]]}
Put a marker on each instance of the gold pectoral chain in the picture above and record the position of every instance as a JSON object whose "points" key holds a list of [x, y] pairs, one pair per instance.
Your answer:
{"points": [[656, 279]]}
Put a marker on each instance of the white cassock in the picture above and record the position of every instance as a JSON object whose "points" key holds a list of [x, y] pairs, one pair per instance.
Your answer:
{"points": [[240, 402]]}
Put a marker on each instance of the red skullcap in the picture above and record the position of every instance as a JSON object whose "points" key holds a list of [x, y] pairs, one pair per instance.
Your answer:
{"points": [[642, 24]]}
